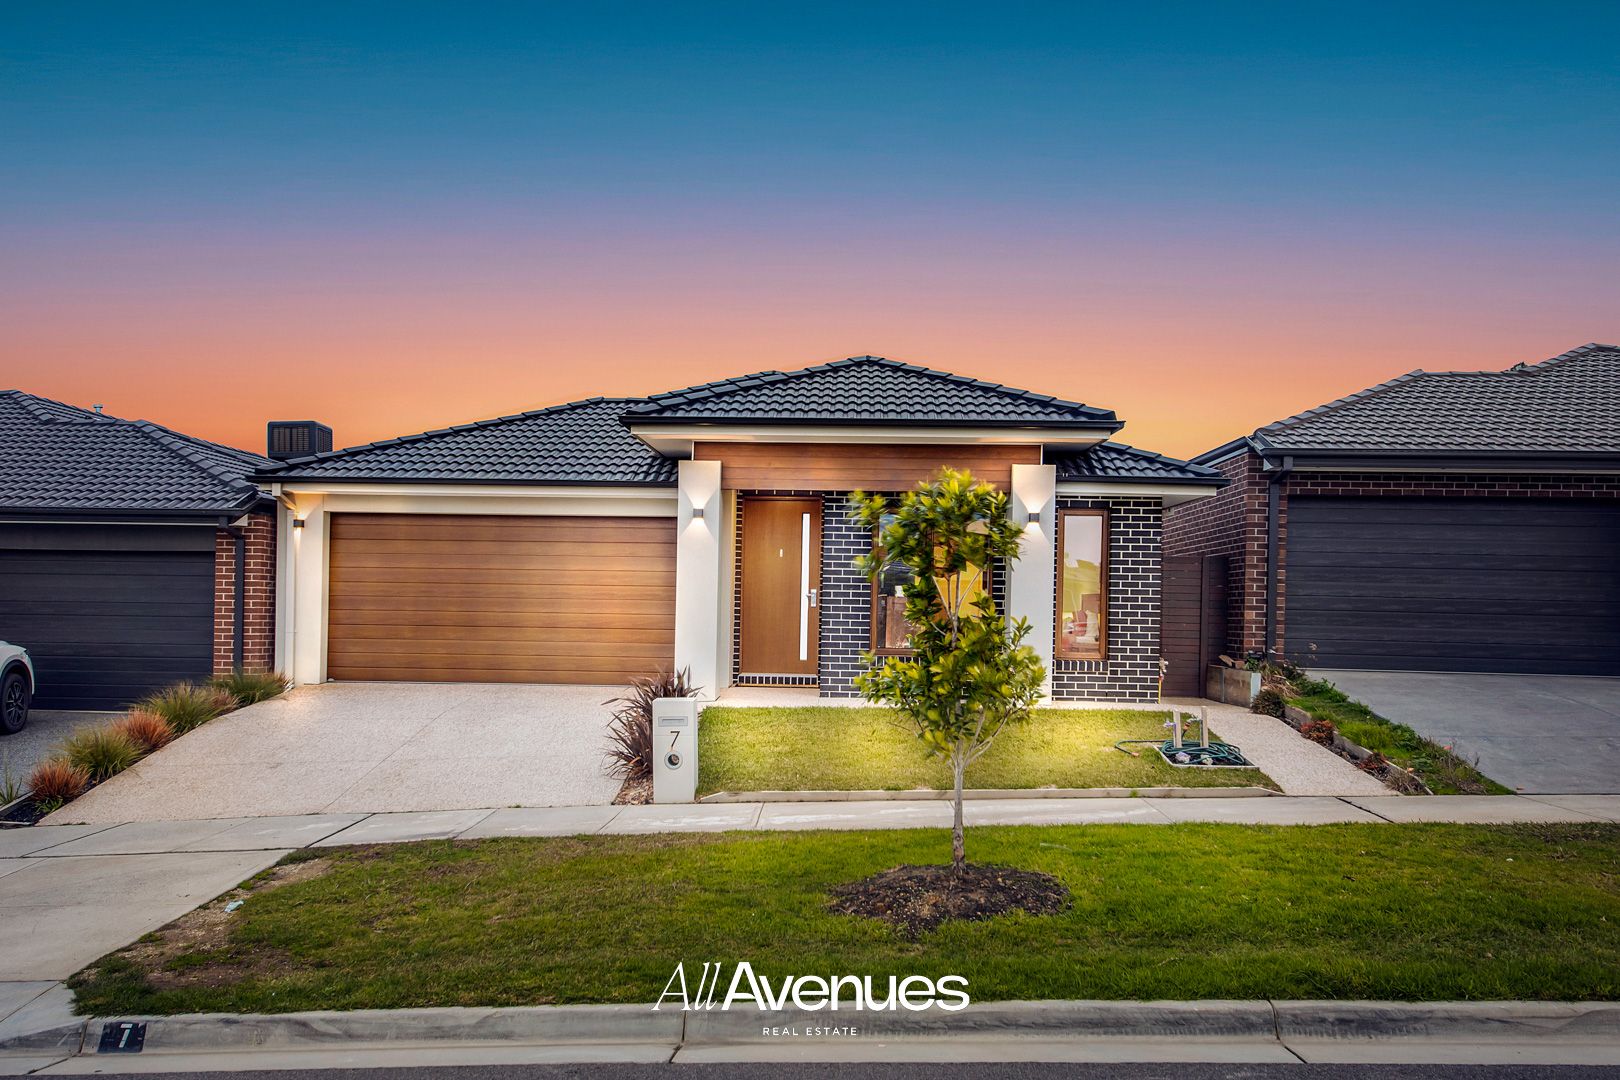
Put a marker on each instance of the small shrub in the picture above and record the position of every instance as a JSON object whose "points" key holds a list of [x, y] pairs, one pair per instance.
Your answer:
{"points": [[1374, 763], [100, 752], [11, 789], [55, 783], [147, 730], [251, 687], [1268, 702], [630, 739], [1319, 731], [186, 705]]}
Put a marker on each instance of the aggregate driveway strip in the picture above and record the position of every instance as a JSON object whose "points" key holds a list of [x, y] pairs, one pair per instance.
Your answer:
{"points": [[358, 748]]}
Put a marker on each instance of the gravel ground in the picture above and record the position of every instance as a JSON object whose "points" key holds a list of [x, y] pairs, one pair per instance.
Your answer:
{"points": [[19, 753]]}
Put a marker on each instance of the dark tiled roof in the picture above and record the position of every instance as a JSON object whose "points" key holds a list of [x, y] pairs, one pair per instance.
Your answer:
{"points": [[1569, 404], [56, 457], [581, 442], [1117, 463], [865, 390]]}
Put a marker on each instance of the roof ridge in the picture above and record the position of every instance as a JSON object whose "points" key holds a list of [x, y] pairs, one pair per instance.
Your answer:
{"points": [[1551, 361], [721, 387], [32, 403], [185, 447], [1152, 455], [438, 433], [1339, 403]]}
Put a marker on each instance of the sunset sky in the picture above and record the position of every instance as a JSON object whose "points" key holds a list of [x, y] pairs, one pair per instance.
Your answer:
{"points": [[392, 217]]}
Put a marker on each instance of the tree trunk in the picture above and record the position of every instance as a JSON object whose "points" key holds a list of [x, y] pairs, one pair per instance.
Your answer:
{"points": [[958, 844]]}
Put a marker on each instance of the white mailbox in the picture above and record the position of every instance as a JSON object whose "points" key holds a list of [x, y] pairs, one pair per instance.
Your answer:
{"points": [[674, 724]]}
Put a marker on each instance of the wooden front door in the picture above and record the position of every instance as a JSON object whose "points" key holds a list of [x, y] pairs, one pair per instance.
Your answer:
{"points": [[781, 586]]}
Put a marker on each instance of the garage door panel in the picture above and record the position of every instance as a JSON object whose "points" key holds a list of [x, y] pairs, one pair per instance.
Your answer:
{"points": [[459, 527], [659, 635], [1357, 513], [1409, 601], [1584, 557], [1454, 585], [655, 589], [108, 615], [493, 575], [575, 559], [581, 600]]}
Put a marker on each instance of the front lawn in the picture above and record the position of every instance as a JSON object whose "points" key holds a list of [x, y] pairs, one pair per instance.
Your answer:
{"points": [[1407, 912], [837, 749]]}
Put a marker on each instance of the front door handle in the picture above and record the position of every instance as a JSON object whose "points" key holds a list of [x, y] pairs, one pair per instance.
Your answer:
{"points": [[812, 595]]}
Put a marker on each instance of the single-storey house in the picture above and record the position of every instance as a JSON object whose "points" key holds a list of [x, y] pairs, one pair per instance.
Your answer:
{"points": [[131, 556], [1441, 521], [707, 528]]}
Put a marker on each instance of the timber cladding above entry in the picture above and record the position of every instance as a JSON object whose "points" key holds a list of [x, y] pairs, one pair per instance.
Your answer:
{"points": [[455, 598], [845, 467]]}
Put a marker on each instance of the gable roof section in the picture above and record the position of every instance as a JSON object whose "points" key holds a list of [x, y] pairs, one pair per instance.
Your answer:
{"points": [[60, 458], [866, 390], [581, 442], [1120, 464], [1566, 405]]}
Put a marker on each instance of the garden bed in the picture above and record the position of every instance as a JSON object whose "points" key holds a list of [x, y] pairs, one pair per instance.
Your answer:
{"points": [[95, 753], [1393, 912], [1435, 767], [828, 748]]}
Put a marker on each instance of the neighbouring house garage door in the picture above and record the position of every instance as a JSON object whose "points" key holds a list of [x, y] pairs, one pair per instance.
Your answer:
{"points": [[108, 612], [1454, 585], [442, 598]]}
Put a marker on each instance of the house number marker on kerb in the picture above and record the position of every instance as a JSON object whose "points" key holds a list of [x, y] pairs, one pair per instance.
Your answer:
{"points": [[122, 1038]]}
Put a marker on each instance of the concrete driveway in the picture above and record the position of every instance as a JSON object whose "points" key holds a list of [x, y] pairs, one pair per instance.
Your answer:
{"points": [[372, 747], [1542, 734]]}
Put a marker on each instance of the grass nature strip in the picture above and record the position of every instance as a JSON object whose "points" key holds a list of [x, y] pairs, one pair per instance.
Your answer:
{"points": [[1443, 771], [1404, 912], [852, 749]]}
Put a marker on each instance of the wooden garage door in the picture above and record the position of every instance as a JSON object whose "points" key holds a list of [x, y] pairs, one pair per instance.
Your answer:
{"points": [[500, 599]]}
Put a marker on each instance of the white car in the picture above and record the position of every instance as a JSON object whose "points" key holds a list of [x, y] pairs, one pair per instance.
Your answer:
{"points": [[16, 687]]}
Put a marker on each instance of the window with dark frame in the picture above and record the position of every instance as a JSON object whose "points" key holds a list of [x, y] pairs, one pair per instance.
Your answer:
{"points": [[1082, 592], [891, 631]]}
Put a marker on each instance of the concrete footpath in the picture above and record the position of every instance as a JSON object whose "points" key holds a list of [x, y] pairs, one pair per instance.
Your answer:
{"points": [[1104, 1031]]}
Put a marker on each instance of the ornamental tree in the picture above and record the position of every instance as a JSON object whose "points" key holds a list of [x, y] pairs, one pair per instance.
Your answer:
{"points": [[969, 676]]}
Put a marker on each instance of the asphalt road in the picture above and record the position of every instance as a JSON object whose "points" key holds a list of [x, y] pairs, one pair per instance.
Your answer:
{"points": [[879, 1071]]}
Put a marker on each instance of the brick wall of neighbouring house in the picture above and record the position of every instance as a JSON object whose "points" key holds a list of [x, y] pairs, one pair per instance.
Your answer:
{"points": [[259, 596], [1131, 670], [1231, 523], [1408, 485]]}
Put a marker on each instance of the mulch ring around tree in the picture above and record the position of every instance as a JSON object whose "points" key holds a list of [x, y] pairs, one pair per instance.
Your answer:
{"points": [[920, 898]]}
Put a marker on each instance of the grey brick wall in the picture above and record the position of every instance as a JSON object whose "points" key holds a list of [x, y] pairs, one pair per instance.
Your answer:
{"points": [[846, 598], [1131, 671]]}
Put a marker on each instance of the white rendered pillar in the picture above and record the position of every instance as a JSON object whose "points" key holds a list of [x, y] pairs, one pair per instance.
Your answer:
{"points": [[698, 573], [1032, 577]]}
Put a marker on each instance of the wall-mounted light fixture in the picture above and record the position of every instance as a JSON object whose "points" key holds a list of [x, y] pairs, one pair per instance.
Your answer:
{"points": [[298, 523], [1035, 519], [697, 512]]}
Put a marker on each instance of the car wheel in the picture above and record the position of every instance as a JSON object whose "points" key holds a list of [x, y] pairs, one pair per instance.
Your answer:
{"points": [[13, 702]]}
